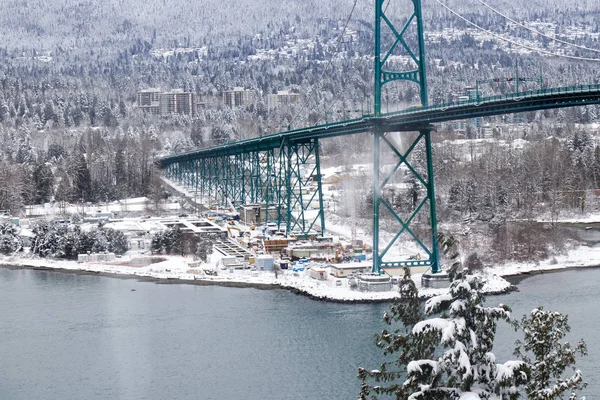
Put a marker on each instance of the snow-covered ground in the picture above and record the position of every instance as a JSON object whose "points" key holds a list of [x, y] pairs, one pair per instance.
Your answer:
{"points": [[580, 257], [179, 269]]}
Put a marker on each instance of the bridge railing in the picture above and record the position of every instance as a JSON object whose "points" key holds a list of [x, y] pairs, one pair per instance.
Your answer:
{"points": [[490, 99], [368, 118]]}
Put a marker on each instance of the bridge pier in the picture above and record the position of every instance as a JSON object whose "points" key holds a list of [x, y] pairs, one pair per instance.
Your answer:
{"points": [[300, 200], [421, 176], [286, 178]]}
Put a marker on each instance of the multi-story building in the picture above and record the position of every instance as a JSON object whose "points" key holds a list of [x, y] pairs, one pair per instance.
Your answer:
{"points": [[283, 97], [176, 101], [240, 97], [148, 100]]}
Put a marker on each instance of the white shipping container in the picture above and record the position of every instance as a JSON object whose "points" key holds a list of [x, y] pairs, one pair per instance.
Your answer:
{"points": [[264, 263]]}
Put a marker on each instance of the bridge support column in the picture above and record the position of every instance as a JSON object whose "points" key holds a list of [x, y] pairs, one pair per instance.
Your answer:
{"points": [[304, 188], [255, 177], [377, 135], [269, 188], [405, 195], [189, 174], [398, 44], [214, 180], [204, 176], [434, 257], [281, 186], [319, 186]]}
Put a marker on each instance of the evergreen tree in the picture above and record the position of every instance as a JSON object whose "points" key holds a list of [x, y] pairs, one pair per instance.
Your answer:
{"points": [[83, 180], [42, 239], [204, 248], [117, 241], [85, 242], [10, 241], [157, 246], [70, 241], [43, 182], [404, 312], [174, 242], [99, 241], [547, 357], [465, 331], [449, 356]]}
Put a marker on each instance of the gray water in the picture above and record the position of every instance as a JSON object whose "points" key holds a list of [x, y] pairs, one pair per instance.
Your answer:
{"points": [[68, 336]]}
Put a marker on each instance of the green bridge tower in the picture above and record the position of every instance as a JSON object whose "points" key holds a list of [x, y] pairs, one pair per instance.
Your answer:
{"points": [[414, 48]]}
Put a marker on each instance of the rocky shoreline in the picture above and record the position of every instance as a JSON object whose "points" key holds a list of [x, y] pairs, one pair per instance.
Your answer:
{"points": [[276, 285]]}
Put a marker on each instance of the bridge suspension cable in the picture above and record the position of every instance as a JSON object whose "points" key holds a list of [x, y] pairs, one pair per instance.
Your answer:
{"points": [[525, 46], [337, 98], [535, 30], [386, 6], [337, 46]]}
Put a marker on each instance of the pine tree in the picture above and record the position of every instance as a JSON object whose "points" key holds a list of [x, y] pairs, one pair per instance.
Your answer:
{"points": [[547, 357], [204, 248], [157, 244], [43, 182], [401, 342], [449, 355], [83, 179], [10, 241], [465, 330], [117, 241]]}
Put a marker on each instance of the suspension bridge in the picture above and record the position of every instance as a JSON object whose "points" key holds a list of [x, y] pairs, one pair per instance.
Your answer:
{"points": [[282, 171]]}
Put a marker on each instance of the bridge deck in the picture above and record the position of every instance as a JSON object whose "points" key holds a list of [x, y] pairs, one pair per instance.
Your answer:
{"points": [[407, 120]]}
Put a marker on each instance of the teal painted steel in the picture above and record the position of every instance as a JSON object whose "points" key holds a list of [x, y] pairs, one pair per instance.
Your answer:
{"points": [[282, 178], [435, 267], [421, 61], [302, 177], [429, 246], [383, 76], [210, 169], [407, 120], [377, 68], [377, 136], [320, 186]]}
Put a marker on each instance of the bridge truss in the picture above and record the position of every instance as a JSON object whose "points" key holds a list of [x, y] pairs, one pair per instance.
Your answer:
{"points": [[283, 175]]}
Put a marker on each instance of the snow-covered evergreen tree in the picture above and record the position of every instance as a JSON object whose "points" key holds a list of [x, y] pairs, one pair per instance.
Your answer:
{"points": [[204, 248], [156, 245], [10, 241], [547, 357], [52, 239], [117, 241], [450, 355], [465, 330], [404, 312]]}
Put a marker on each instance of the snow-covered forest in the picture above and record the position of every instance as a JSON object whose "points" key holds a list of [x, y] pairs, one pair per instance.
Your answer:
{"points": [[70, 71]]}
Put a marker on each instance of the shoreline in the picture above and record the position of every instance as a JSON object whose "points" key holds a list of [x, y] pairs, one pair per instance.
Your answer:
{"points": [[499, 279], [198, 282], [276, 284], [521, 276]]}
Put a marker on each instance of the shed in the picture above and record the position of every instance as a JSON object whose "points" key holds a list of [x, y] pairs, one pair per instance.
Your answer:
{"points": [[318, 273], [345, 269], [264, 262]]}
